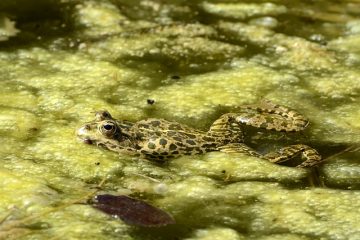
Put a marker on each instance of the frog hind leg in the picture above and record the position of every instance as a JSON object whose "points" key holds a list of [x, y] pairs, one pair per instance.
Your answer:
{"points": [[266, 115], [270, 116], [311, 156]]}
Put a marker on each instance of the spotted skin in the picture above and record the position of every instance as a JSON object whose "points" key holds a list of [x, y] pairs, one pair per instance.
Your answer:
{"points": [[159, 139]]}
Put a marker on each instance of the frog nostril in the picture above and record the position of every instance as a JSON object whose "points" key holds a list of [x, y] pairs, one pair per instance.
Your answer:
{"points": [[88, 141]]}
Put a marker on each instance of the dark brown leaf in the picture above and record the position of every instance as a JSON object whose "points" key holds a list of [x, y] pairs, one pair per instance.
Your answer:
{"points": [[132, 211]]}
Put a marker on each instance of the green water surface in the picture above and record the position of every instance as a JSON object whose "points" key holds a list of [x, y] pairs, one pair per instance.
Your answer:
{"points": [[61, 60]]}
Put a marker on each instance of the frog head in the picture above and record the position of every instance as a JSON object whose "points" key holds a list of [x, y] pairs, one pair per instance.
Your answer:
{"points": [[103, 130]]}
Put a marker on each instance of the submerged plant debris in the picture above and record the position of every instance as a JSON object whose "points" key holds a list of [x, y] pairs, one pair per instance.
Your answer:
{"points": [[132, 211], [189, 62]]}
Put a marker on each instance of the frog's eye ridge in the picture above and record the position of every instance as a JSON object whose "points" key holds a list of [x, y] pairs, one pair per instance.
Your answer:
{"points": [[105, 114]]}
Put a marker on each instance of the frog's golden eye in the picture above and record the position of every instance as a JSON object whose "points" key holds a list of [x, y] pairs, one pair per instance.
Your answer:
{"points": [[108, 128]]}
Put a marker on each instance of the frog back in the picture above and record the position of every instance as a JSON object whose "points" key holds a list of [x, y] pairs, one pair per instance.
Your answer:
{"points": [[161, 139]]}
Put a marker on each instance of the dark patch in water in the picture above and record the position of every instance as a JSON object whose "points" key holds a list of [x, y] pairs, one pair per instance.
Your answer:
{"points": [[132, 211]]}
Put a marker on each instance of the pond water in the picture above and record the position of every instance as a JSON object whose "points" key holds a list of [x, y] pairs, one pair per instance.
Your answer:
{"points": [[61, 60]]}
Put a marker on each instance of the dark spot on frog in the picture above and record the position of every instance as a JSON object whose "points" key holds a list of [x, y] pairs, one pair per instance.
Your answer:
{"points": [[179, 139], [208, 145], [137, 147], [223, 171], [208, 139], [139, 135], [162, 142], [151, 157], [151, 145], [97, 163], [191, 142], [155, 123], [144, 152], [190, 135], [199, 150], [173, 147]]}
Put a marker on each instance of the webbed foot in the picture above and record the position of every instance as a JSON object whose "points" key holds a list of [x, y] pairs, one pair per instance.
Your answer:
{"points": [[311, 156]]}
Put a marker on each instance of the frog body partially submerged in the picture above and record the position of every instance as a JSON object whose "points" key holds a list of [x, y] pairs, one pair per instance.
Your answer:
{"points": [[159, 139]]}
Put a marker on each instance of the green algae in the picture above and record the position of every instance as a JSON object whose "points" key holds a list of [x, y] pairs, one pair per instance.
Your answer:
{"points": [[7, 29], [65, 59], [243, 10], [318, 209]]}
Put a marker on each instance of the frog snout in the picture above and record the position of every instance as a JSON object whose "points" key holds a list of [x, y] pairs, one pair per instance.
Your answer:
{"points": [[82, 133]]}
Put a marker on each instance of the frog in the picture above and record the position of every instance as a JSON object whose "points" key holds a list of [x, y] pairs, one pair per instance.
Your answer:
{"points": [[159, 139]]}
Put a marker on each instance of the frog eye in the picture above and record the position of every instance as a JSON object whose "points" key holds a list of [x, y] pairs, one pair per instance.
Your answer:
{"points": [[108, 128]]}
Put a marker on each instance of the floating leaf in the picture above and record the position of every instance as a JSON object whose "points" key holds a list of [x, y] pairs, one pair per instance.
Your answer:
{"points": [[132, 211]]}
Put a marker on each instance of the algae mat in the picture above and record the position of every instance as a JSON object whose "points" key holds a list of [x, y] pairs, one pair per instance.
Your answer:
{"points": [[60, 60]]}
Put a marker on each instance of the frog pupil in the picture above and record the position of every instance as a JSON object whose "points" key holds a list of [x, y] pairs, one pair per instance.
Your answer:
{"points": [[108, 127]]}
